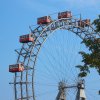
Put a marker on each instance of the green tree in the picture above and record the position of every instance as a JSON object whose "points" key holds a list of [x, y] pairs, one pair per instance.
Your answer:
{"points": [[91, 59]]}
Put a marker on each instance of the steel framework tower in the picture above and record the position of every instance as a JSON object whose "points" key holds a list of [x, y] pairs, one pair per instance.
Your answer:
{"points": [[63, 89], [81, 91]]}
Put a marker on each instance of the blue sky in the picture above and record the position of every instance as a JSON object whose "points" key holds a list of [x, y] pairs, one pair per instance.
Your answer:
{"points": [[15, 18]]}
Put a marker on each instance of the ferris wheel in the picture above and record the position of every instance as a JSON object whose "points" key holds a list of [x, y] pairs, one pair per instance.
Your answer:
{"points": [[45, 68]]}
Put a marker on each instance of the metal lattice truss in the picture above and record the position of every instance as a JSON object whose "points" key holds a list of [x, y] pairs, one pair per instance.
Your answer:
{"points": [[24, 81]]}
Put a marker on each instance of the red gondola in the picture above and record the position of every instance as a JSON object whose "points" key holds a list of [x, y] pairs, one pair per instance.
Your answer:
{"points": [[87, 22], [84, 23], [66, 14], [44, 20], [26, 38], [16, 68]]}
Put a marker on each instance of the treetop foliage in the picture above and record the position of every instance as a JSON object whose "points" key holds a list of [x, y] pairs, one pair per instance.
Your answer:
{"points": [[91, 59]]}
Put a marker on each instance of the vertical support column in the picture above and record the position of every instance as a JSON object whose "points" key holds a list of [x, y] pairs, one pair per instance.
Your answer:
{"points": [[15, 86], [62, 92], [81, 91]]}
